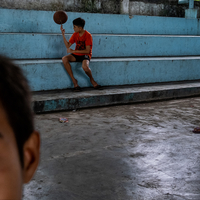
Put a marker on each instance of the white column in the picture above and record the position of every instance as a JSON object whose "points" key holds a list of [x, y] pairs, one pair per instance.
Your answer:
{"points": [[191, 4]]}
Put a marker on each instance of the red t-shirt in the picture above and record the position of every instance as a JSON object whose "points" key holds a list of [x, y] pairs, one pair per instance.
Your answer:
{"points": [[82, 42]]}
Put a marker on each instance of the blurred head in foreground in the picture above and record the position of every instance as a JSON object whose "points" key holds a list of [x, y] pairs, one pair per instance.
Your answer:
{"points": [[19, 142]]}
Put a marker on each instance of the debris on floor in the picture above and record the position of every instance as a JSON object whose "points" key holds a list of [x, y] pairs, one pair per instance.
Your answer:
{"points": [[63, 120], [196, 130]]}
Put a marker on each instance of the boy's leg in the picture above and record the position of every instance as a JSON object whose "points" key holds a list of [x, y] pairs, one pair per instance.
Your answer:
{"points": [[85, 66], [66, 60]]}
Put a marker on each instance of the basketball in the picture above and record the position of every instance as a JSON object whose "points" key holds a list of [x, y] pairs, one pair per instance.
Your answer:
{"points": [[60, 17]]}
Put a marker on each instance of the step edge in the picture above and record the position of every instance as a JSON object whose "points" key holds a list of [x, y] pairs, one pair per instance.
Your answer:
{"points": [[48, 61]]}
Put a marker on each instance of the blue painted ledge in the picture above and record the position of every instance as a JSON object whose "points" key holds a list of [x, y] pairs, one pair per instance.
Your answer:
{"points": [[14, 20], [51, 75], [43, 46]]}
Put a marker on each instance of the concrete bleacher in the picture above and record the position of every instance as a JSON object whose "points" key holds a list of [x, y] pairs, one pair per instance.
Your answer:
{"points": [[127, 50]]}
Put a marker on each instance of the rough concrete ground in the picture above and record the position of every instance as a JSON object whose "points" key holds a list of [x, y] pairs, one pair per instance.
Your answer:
{"points": [[132, 152]]}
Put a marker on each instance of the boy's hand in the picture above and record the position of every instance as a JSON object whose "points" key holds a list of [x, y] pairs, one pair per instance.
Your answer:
{"points": [[70, 50], [62, 30]]}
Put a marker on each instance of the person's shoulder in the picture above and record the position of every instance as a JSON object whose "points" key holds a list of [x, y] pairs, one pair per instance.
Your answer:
{"points": [[88, 33], [74, 36]]}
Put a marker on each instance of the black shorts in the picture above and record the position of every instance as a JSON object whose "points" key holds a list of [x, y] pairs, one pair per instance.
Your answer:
{"points": [[81, 58]]}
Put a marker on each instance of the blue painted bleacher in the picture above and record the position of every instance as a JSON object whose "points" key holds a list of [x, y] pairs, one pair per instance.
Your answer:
{"points": [[126, 50]]}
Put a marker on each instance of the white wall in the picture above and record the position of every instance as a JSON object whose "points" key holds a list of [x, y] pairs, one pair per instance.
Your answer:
{"points": [[141, 8]]}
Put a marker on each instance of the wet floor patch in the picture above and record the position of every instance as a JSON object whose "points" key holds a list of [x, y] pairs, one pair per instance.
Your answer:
{"points": [[130, 152]]}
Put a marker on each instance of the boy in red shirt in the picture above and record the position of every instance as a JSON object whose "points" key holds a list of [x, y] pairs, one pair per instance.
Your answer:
{"points": [[82, 52]]}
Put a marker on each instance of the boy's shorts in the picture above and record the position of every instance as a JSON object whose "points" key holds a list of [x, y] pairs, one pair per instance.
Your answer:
{"points": [[81, 58]]}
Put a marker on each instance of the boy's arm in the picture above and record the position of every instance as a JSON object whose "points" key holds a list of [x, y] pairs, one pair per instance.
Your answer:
{"points": [[85, 51], [67, 44]]}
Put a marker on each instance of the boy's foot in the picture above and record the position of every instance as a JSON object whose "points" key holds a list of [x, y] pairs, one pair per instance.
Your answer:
{"points": [[98, 87], [77, 89]]}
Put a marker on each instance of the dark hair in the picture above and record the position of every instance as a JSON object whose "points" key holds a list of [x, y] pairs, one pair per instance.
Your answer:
{"points": [[79, 22], [16, 101]]}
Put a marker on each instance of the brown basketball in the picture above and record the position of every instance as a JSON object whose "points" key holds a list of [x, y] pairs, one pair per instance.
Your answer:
{"points": [[60, 17]]}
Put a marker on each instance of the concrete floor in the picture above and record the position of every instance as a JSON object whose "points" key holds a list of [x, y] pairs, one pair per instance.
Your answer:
{"points": [[132, 152]]}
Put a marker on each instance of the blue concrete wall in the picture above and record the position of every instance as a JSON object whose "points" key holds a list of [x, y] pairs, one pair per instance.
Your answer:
{"points": [[12, 20], [49, 75], [38, 46]]}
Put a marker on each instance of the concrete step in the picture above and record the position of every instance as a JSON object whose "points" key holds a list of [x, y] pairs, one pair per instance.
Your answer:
{"points": [[51, 75], [68, 100], [15, 20], [51, 46]]}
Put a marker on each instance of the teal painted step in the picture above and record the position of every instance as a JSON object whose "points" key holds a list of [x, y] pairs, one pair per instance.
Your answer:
{"points": [[42, 46], [14, 20], [51, 75], [67, 100]]}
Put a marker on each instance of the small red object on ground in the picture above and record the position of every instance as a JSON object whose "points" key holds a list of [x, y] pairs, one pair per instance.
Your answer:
{"points": [[63, 120], [196, 130], [60, 17]]}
